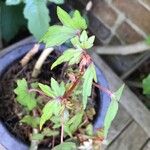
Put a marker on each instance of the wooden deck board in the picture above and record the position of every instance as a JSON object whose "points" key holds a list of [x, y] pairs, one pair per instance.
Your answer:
{"points": [[129, 100], [130, 139], [147, 146], [119, 124]]}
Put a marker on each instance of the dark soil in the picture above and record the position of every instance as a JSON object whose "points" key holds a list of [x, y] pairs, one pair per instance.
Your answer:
{"points": [[10, 110]]}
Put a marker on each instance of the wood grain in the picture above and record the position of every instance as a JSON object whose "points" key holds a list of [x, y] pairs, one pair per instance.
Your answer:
{"points": [[131, 139], [129, 100]]}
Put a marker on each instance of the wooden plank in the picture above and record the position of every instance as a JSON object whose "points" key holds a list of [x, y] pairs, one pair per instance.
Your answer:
{"points": [[147, 146], [121, 121], [129, 100], [131, 139]]}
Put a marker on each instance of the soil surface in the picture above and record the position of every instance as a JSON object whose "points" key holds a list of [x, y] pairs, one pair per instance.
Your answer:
{"points": [[10, 110]]}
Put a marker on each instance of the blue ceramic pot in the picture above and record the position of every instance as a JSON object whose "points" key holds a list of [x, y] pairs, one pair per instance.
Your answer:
{"points": [[7, 59]]}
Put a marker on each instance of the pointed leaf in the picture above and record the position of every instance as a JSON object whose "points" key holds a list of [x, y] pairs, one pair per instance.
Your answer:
{"points": [[48, 132], [83, 36], [58, 89], [52, 107], [57, 35], [66, 56], [64, 17], [46, 89], [112, 110]]}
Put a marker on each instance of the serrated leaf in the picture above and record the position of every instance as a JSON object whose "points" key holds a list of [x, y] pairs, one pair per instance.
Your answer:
{"points": [[59, 90], [49, 132], [83, 36], [15, 20], [25, 98], [37, 137], [47, 90], [31, 121], [65, 146], [57, 35], [13, 2], [76, 22], [146, 85], [57, 1], [112, 110], [37, 14], [64, 17], [65, 57], [88, 77], [52, 107]]}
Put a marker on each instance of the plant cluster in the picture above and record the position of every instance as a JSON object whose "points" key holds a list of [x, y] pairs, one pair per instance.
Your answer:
{"points": [[64, 108], [15, 13]]}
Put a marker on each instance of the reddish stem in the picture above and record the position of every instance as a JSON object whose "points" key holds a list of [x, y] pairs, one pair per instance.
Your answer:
{"points": [[103, 89]]}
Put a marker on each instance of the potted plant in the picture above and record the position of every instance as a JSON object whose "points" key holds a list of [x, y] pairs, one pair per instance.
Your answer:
{"points": [[68, 105]]}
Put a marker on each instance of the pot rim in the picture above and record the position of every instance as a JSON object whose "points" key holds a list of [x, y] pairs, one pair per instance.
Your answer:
{"points": [[13, 55]]}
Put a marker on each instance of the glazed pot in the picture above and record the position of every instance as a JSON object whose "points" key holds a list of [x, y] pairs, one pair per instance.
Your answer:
{"points": [[7, 59]]}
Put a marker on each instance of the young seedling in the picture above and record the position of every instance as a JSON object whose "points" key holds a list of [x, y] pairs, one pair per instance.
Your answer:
{"points": [[64, 110]]}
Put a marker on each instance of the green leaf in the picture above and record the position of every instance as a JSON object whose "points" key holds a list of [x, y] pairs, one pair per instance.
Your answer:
{"points": [[88, 77], [57, 35], [75, 121], [146, 85], [148, 40], [112, 110], [83, 36], [89, 129], [31, 121], [59, 90], [57, 1], [65, 57], [66, 146], [117, 95], [37, 137], [76, 22], [37, 14], [48, 132], [75, 41], [13, 2], [23, 96], [11, 20], [64, 17], [52, 107], [110, 115], [47, 90]]}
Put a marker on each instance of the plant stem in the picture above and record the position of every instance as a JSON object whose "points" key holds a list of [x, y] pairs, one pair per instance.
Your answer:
{"points": [[62, 129], [29, 55], [40, 61], [103, 89], [34, 143]]}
